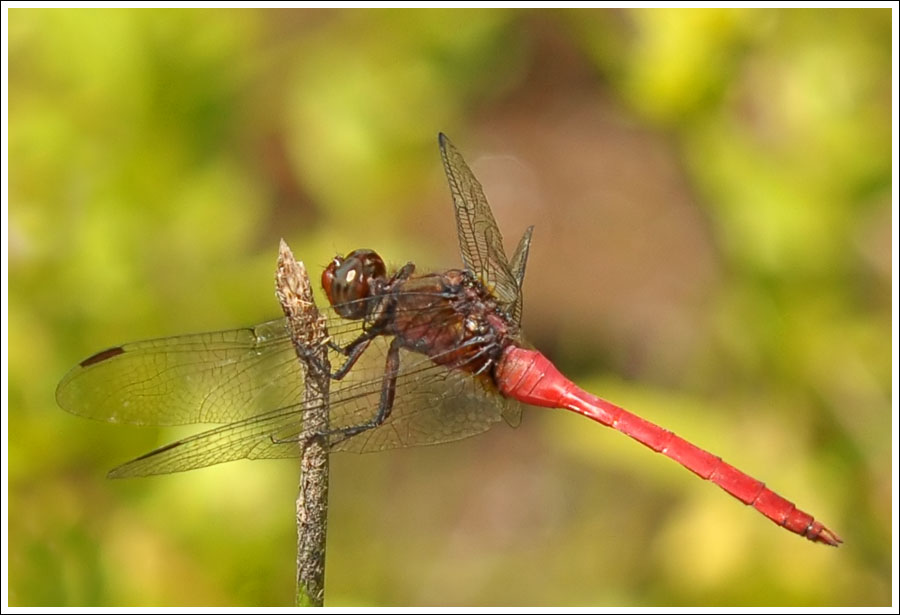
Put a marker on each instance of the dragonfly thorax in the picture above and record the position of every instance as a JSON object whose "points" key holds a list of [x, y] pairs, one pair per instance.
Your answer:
{"points": [[452, 318]]}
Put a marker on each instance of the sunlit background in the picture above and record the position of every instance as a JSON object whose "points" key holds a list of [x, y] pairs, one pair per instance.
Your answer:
{"points": [[711, 191]]}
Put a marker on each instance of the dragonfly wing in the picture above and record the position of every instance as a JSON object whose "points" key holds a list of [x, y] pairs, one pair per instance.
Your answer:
{"points": [[218, 377], [512, 413], [520, 257], [480, 241], [274, 434], [517, 266], [433, 405]]}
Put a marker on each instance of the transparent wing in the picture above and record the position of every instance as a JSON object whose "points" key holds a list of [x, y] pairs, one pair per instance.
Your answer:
{"points": [[520, 257], [433, 405], [517, 266], [480, 241], [251, 380], [218, 377]]}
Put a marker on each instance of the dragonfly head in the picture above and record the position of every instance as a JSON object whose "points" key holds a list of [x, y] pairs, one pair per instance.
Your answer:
{"points": [[349, 281]]}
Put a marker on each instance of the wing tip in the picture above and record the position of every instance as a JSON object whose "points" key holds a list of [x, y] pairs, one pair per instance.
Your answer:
{"points": [[445, 143]]}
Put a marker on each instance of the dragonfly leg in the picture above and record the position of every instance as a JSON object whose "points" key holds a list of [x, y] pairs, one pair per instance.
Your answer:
{"points": [[404, 273], [385, 404], [353, 352], [312, 358], [337, 347]]}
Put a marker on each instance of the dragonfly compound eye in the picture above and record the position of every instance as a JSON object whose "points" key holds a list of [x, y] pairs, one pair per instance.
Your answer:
{"points": [[349, 282]]}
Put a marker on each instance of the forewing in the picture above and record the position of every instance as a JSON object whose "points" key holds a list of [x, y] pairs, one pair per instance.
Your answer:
{"points": [[480, 240], [219, 377]]}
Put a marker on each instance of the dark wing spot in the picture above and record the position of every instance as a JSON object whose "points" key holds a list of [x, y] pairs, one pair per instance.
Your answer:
{"points": [[126, 469], [102, 356]]}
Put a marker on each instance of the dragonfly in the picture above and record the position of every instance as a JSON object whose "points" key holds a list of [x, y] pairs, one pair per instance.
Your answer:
{"points": [[423, 358]]}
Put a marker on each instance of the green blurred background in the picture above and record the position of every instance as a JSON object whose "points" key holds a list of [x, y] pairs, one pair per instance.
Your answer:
{"points": [[711, 191]]}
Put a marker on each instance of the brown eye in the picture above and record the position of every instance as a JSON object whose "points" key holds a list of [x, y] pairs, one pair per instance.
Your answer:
{"points": [[328, 277], [349, 282]]}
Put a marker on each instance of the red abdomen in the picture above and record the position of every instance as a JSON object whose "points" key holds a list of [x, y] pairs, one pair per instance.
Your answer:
{"points": [[528, 376]]}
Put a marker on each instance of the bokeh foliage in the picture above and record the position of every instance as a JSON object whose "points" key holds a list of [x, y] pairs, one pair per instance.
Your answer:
{"points": [[156, 157]]}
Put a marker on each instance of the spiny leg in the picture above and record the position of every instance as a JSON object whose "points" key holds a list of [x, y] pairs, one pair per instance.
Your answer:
{"points": [[385, 404], [353, 351]]}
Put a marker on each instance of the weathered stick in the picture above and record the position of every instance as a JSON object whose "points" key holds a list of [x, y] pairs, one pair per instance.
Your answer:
{"points": [[307, 328]]}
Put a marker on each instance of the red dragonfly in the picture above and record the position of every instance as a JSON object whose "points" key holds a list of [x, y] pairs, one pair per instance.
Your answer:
{"points": [[424, 358]]}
